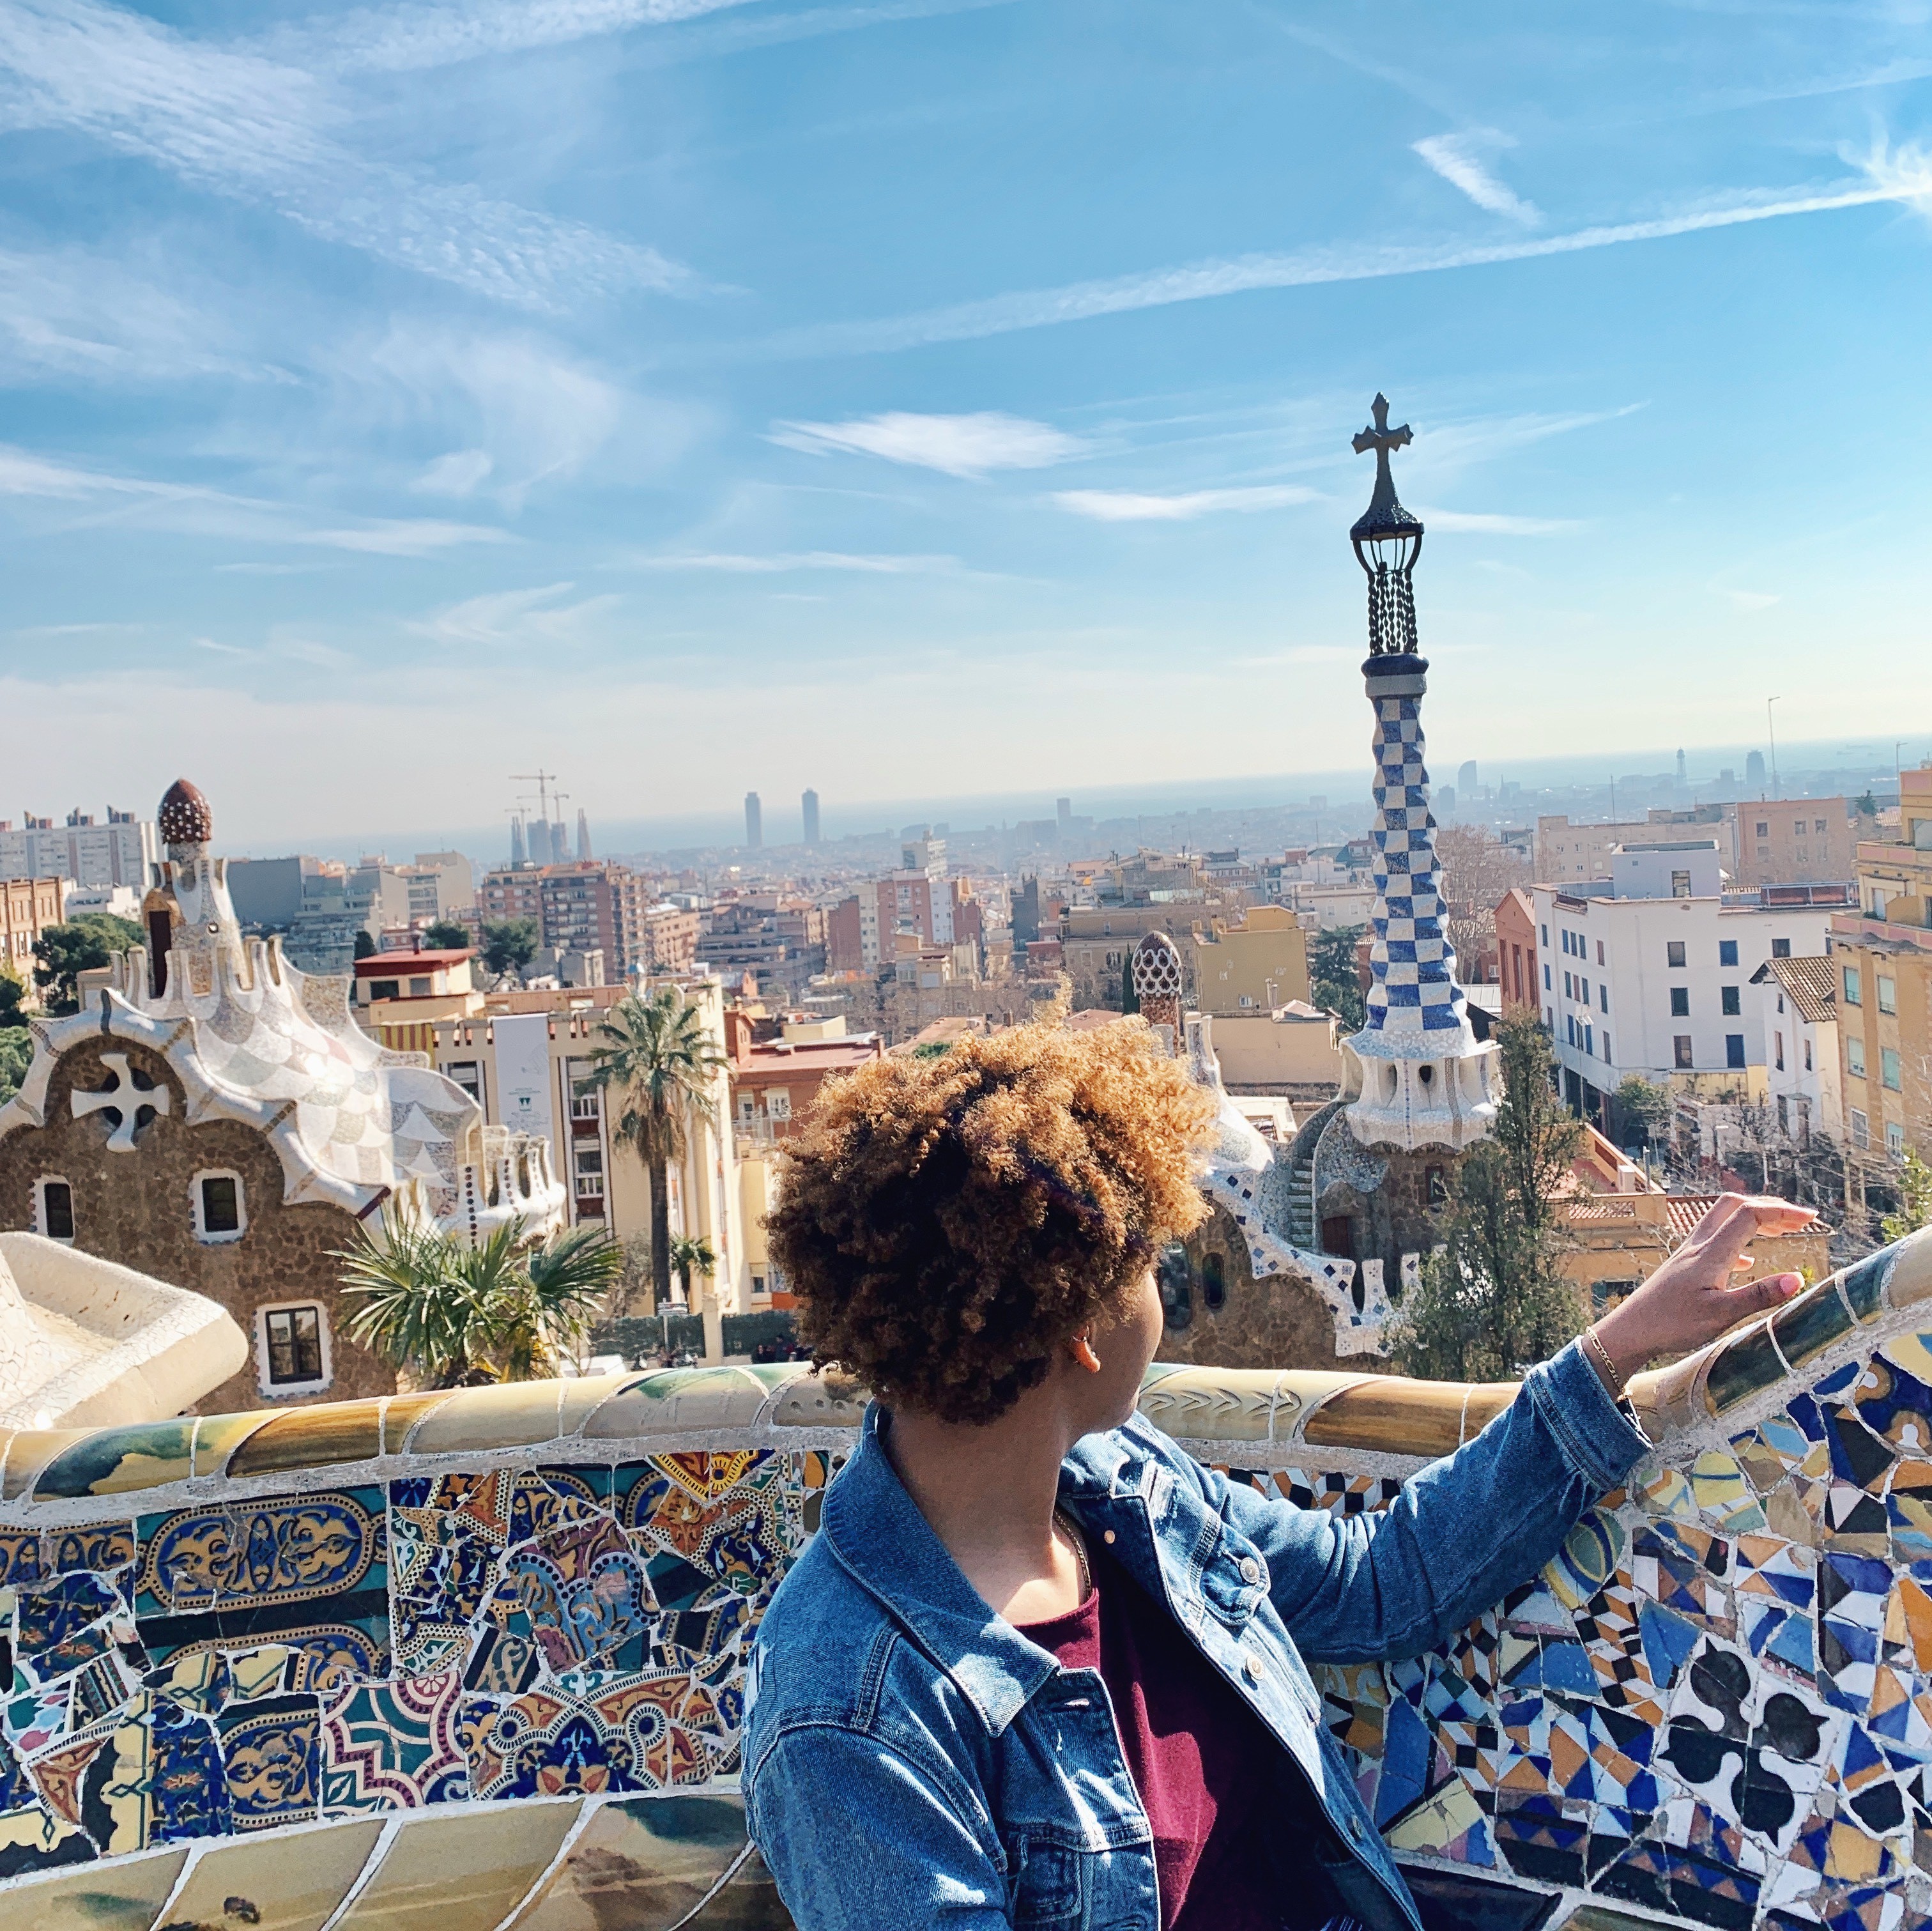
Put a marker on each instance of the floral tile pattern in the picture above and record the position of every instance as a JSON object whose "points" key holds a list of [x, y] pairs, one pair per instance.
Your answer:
{"points": [[232, 1666]]}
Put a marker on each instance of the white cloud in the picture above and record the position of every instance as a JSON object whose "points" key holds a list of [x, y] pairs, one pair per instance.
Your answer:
{"points": [[392, 537], [1481, 523], [211, 512], [1453, 157], [1207, 281], [400, 40], [78, 314], [456, 474], [1904, 172], [739, 564], [236, 124], [518, 619], [1120, 505], [1750, 600], [960, 445]]}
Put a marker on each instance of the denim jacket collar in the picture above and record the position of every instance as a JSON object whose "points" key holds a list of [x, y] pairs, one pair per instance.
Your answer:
{"points": [[875, 1530]]}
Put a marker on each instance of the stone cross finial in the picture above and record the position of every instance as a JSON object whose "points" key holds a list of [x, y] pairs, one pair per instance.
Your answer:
{"points": [[125, 1098], [1381, 438]]}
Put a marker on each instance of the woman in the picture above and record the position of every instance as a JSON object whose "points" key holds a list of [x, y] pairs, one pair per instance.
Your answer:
{"points": [[1039, 1667]]}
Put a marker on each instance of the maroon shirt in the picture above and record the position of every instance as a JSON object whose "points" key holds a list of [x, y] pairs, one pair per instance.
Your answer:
{"points": [[1197, 1754]]}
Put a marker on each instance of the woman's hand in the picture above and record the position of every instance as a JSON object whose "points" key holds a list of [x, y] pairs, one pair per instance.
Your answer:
{"points": [[1690, 1300]]}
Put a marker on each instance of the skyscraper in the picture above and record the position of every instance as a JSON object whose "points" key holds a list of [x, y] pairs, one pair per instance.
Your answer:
{"points": [[755, 822], [1754, 772], [1466, 780], [517, 855], [583, 835], [810, 803]]}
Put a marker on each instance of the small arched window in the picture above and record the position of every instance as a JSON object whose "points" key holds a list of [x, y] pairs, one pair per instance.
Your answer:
{"points": [[53, 1208], [220, 1212], [1214, 1282]]}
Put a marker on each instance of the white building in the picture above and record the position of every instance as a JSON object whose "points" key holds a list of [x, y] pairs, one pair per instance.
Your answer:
{"points": [[1800, 998], [123, 851], [1656, 979]]}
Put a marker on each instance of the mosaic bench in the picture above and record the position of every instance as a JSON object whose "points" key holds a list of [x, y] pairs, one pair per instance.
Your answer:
{"points": [[470, 1661]]}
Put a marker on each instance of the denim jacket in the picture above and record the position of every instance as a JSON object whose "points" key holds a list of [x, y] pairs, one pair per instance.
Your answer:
{"points": [[912, 1760]]}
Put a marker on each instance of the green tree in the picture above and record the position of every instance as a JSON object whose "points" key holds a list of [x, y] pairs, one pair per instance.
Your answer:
{"points": [[455, 1315], [1130, 1000], [13, 996], [16, 1052], [445, 934], [509, 945], [1642, 1109], [651, 1055], [365, 943], [691, 1253], [1493, 1298], [1914, 1198], [1332, 977], [84, 944]]}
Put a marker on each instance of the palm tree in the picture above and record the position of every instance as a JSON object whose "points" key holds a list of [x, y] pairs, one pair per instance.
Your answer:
{"points": [[453, 1315], [423, 1304], [564, 1287], [653, 1056], [691, 1254]]}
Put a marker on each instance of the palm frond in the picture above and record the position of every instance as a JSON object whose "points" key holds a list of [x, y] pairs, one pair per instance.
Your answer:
{"points": [[412, 1306]]}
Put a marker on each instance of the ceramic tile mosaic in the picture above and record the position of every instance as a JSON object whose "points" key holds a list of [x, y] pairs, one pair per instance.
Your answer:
{"points": [[1713, 1706], [1715, 1703], [236, 1665]]}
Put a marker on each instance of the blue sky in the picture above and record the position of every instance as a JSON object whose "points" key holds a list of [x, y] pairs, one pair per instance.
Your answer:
{"points": [[932, 396]]}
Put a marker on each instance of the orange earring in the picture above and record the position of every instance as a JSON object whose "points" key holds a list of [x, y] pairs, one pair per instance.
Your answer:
{"points": [[1083, 1352]]}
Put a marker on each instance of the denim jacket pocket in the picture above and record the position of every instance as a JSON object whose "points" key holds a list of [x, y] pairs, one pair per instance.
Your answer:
{"points": [[1043, 1883]]}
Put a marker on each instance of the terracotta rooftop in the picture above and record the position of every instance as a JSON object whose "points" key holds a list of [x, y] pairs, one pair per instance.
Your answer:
{"points": [[383, 965], [1811, 984]]}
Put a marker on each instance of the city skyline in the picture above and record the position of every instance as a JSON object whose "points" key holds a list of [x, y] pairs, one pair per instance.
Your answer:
{"points": [[1852, 766], [549, 381]]}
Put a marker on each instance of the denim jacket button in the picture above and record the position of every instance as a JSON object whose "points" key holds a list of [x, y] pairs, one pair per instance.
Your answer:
{"points": [[1251, 1570], [1251, 1667]]}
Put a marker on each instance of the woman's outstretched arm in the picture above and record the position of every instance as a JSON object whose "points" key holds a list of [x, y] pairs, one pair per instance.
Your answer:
{"points": [[1469, 1527]]}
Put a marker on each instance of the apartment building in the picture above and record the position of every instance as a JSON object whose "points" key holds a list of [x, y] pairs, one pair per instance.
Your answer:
{"points": [[1655, 977], [1571, 853], [522, 1059], [1794, 841], [1255, 966], [28, 906], [122, 851], [1803, 1080], [1883, 954]]}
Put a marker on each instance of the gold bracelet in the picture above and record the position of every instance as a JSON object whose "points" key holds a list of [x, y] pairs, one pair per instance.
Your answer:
{"points": [[1596, 1340]]}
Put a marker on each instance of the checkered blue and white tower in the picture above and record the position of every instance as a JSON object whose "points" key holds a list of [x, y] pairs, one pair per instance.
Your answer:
{"points": [[1417, 1075]]}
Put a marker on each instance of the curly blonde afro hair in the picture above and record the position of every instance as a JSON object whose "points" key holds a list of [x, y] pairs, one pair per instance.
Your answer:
{"points": [[947, 1222]]}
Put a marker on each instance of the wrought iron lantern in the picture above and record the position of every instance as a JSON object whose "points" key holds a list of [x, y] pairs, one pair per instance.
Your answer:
{"points": [[1387, 540]]}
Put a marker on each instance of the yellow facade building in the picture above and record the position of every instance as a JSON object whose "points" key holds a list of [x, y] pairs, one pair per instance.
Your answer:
{"points": [[1254, 967], [1883, 956]]}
